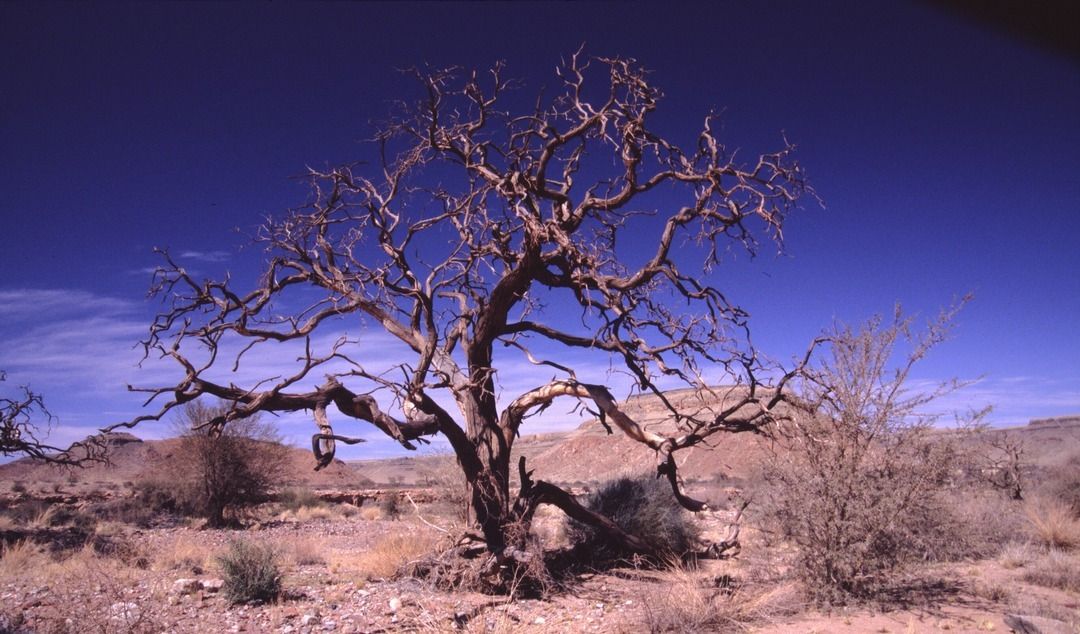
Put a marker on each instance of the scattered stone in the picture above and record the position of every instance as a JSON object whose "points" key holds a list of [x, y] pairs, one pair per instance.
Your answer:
{"points": [[213, 585], [395, 604], [539, 620], [309, 619], [128, 612], [186, 586]]}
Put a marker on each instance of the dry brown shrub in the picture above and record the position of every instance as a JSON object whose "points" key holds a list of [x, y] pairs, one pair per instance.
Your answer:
{"points": [[215, 476], [859, 480], [1052, 523]]}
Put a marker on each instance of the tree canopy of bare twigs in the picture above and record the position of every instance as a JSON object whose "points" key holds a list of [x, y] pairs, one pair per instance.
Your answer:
{"points": [[211, 476], [20, 423], [483, 233]]}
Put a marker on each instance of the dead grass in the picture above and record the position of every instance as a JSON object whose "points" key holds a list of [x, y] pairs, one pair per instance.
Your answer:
{"points": [[386, 557], [305, 514], [301, 552], [683, 601], [1016, 555], [1055, 569], [371, 513], [1052, 523], [183, 553], [1034, 606], [87, 592], [992, 591], [19, 557]]}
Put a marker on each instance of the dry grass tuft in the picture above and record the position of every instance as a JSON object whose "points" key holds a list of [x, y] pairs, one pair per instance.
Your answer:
{"points": [[386, 557], [991, 591], [301, 552], [184, 553], [304, 514], [1055, 569], [18, 557], [1016, 556], [371, 513], [1053, 524], [685, 602]]}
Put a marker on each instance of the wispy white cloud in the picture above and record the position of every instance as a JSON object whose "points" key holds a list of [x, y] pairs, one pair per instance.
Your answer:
{"points": [[1014, 400], [205, 256], [38, 304]]}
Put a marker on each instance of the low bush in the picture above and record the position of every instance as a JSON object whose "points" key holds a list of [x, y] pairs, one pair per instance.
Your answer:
{"points": [[859, 481], [642, 506], [390, 507], [250, 572]]}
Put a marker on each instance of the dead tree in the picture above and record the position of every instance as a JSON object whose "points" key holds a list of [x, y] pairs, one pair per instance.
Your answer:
{"points": [[1001, 462], [478, 222], [20, 417]]}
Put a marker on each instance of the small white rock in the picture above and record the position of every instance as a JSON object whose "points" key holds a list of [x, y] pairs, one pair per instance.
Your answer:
{"points": [[186, 586], [309, 619], [539, 620], [213, 585], [395, 604]]}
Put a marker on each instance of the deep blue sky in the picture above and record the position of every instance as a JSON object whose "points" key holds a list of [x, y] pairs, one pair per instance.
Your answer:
{"points": [[945, 151]]}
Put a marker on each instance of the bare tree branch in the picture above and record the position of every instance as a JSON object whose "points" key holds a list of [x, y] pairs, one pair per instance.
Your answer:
{"points": [[479, 227]]}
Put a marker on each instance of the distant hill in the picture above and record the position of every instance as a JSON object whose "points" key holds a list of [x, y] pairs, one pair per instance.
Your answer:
{"points": [[585, 454], [131, 457]]}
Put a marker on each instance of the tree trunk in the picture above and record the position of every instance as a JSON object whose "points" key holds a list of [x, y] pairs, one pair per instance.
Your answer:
{"points": [[489, 492]]}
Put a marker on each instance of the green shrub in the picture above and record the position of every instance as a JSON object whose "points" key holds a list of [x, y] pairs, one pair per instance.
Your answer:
{"points": [[644, 507], [250, 572]]}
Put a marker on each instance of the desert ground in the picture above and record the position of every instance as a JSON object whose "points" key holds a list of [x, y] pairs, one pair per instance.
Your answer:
{"points": [[85, 550]]}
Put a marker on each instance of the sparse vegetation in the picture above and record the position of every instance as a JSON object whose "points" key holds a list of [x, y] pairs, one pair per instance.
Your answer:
{"points": [[250, 571], [389, 555], [859, 481], [296, 498], [684, 601], [1052, 523], [212, 476], [1055, 569], [390, 507], [1064, 485]]}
